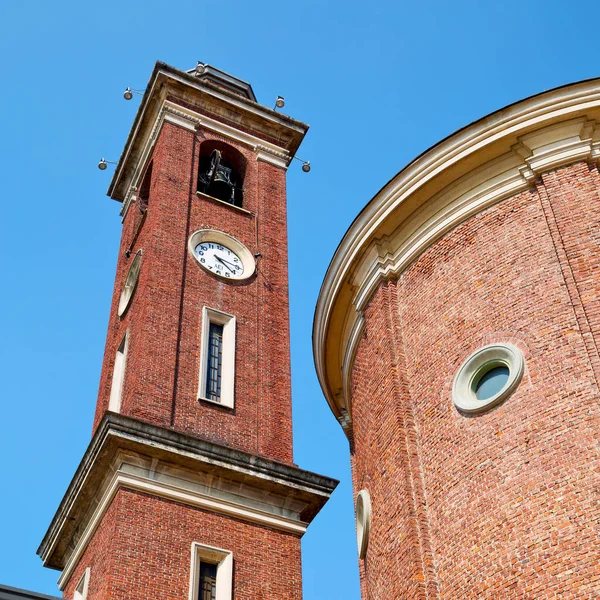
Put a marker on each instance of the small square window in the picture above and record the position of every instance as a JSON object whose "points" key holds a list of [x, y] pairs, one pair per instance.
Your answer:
{"points": [[211, 573], [217, 357]]}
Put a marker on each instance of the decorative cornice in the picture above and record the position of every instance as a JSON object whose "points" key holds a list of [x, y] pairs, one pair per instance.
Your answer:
{"points": [[186, 119], [495, 158], [272, 151], [344, 419], [184, 496], [129, 454]]}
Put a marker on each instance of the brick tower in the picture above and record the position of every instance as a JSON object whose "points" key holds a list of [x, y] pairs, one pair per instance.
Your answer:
{"points": [[187, 490], [457, 340]]}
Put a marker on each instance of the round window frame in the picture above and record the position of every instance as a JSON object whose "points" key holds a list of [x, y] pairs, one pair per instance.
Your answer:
{"points": [[130, 285], [363, 522], [476, 366], [219, 237]]}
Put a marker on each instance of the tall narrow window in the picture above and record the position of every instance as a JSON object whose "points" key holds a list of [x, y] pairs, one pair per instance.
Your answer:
{"points": [[215, 362], [211, 576], [116, 390], [208, 581], [217, 357]]}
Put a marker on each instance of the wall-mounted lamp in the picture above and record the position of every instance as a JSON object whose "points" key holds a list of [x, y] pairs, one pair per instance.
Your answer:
{"points": [[128, 93], [279, 103], [104, 163], [305, 164]]}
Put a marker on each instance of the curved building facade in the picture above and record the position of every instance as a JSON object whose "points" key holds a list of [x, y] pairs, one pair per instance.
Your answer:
{"points": [[456, 340]]}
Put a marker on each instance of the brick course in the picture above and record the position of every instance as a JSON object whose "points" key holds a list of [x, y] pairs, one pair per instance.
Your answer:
{"points": [[503, 504], [164, 318], [142, 551]]}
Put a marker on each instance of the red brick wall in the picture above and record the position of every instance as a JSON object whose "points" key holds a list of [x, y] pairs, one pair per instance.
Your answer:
{"points": [[99, 557], [164, 319], [142, 551], [503, 504]]}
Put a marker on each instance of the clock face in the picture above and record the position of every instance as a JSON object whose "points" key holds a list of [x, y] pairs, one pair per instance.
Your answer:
{"points": [[219, 259], [221, 254]]}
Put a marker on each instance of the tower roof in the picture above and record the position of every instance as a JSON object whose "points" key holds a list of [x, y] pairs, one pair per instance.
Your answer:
{"points": [[220, 79]]}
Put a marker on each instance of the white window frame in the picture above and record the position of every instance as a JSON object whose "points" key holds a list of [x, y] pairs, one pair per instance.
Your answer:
{"points": [[81, 591], [211, 315], [224, 561], [116, 390], [363, 521], [478, 364]]}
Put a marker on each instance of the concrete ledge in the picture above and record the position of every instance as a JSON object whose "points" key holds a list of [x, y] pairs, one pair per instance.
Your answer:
{"points": [[132, 454]]}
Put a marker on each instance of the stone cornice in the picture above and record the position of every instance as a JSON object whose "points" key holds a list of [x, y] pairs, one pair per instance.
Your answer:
{"points": [[492, 159], [129, 454]]}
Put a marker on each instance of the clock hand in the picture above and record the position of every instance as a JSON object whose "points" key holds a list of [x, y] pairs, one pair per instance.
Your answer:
{"points": [[224, 262]]}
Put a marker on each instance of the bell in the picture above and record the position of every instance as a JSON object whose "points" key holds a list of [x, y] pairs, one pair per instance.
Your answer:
{"points": [[218, 180]]}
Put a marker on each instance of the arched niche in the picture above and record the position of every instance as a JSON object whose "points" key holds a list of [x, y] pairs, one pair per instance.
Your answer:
{"points": [[221, 172]]}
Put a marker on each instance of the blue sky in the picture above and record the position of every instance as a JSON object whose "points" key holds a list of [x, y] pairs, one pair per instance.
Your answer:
{"points": [[378, 84]]}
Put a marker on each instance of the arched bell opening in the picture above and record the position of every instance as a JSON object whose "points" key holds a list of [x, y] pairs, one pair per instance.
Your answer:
{"points": [[221, 172]]}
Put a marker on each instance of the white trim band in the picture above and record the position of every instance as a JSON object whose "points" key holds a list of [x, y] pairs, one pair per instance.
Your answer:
{"points": [[170, 492]]}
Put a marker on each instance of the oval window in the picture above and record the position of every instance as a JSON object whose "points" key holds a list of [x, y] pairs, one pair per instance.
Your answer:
{"points": [[487, 377], [492, 382]]}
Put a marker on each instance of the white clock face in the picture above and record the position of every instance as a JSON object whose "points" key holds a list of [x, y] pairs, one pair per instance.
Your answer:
{"points": [[219, 259]]}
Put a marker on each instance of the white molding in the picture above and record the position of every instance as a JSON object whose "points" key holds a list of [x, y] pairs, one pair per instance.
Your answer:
{"points": [[493, 159], [173, 113], [271, 154], [267, 157], [143, 160], [479, 363], [130, 284], [118, 378], [227, 204], [187, 497], [363, 522], [224, 562], [81, 591], [349, 355], [264, 150], [212, 315]]}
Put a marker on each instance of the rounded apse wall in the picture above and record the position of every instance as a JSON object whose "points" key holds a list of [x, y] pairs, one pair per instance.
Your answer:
{"points": [[492, 270]]}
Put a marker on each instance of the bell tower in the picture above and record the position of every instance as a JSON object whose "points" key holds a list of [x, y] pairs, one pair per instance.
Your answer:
{"points": [[188, 490]]}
